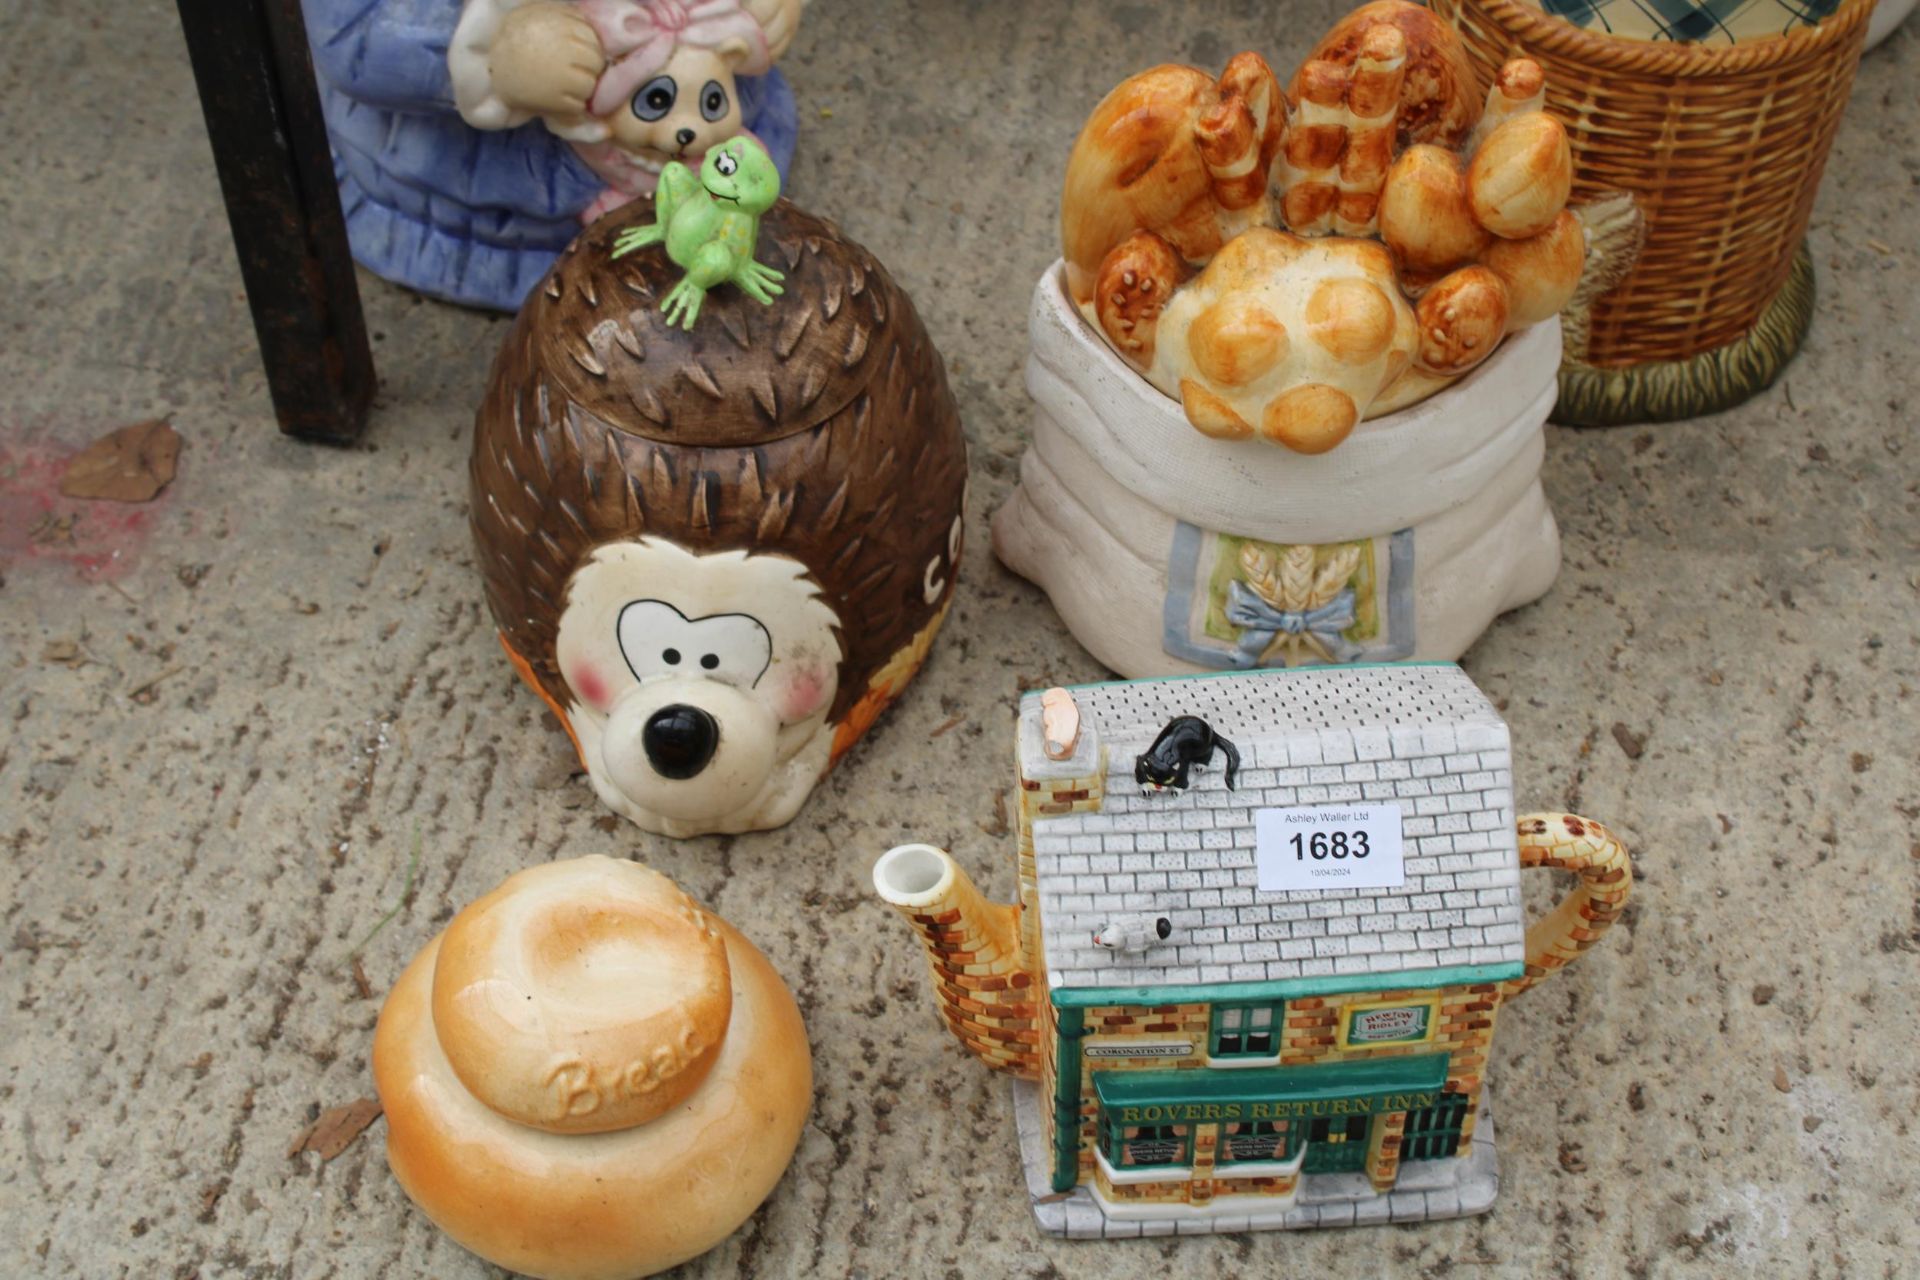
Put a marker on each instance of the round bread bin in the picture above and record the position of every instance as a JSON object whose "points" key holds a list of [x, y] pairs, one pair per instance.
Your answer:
{"points": [[1169, 553], [588, 1077]]}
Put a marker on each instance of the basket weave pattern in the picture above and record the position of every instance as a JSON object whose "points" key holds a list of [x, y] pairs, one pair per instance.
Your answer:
{"points": [[1723, 148]]}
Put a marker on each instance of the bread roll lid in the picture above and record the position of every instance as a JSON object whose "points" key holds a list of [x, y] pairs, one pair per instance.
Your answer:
{"points": [[746, 373], [582, 996]]}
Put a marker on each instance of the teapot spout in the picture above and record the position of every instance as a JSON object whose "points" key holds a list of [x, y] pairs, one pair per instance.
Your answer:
{"points": [[986, 989]]}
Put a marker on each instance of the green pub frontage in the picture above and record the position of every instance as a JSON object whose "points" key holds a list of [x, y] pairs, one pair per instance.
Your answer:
{"points": [[1279, 1058], [1205, 1041], [1222, 1132]]}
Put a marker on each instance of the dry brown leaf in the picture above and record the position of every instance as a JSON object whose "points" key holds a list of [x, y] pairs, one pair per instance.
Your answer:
{"points": [[132, 464], [336, 1129]]}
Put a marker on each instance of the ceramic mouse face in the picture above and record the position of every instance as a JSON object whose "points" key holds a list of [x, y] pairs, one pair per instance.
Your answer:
{"points": [[701, 684], [685, 109]]}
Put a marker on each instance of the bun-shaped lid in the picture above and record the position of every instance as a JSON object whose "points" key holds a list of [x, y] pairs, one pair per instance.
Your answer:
{"points": [[582, 996], [746, 373]]}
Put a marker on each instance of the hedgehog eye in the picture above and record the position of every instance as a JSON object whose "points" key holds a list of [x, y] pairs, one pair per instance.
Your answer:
{"points": [[655, 98], [713, 101], [658, 640], [732, 647]]}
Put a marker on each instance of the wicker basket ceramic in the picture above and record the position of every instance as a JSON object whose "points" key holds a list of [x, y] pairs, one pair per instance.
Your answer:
{"points": [[1723, 148]]}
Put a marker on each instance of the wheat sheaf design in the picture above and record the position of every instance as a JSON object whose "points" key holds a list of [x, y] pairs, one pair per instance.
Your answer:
{"points": [[1292, 583]]}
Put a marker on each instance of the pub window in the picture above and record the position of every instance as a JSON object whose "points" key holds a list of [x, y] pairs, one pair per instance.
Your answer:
{"points": [[1433, 1133], [1143, 1146], [1243, 1140], [1245, 1030]]}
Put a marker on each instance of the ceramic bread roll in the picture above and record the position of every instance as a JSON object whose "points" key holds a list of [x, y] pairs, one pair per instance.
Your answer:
{"points": [[1169, 151], [605, 1135], [1521, 176], [1542, 271], [1425, 215]]}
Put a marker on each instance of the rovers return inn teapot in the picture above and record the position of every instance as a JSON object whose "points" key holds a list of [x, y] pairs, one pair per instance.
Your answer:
{"points": [[1266, 923], [717, 551]]}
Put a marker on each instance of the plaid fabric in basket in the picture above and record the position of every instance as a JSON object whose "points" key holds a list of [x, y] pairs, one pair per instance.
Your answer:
{"points": [[1692, 21]]}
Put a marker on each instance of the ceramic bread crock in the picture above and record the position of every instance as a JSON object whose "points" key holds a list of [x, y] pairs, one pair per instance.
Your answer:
{"points": [[1266, 925], [1291, 374], [1441, 523], [588, 1077], [718, 539]]}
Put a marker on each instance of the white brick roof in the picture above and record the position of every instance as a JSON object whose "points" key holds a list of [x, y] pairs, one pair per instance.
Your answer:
{"points": [[1419, 734]]}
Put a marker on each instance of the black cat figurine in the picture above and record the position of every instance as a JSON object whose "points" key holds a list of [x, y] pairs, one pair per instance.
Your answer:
{"points": [[1188, 742]]}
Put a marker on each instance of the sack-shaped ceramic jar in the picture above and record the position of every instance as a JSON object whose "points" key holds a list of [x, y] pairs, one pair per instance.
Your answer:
{"points": [[718, 552], [1168, 553], [588, 1077]]}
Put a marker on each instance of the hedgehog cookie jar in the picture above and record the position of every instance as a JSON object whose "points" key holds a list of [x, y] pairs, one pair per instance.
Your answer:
{"points": [[717, 494], [587, 1077]]}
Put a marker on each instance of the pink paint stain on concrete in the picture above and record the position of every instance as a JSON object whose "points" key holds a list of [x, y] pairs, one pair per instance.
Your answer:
{"points": [[98, 541]]}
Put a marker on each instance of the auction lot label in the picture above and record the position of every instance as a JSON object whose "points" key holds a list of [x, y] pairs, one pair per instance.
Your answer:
{"points": [[1335, 846]]}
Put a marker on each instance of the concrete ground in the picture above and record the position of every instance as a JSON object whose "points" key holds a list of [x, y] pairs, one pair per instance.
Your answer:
{"points": [[232, 716]]}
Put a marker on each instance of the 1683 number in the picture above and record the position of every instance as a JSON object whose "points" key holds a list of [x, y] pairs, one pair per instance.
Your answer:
{"points": [[1322, 845]]}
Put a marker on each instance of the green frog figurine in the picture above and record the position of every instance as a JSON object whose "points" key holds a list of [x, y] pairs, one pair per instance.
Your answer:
{"points": [[710, 223]]}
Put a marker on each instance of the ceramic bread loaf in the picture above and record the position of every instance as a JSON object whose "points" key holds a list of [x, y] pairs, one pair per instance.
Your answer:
{"points": [[588, 1077], [1286, 337]]}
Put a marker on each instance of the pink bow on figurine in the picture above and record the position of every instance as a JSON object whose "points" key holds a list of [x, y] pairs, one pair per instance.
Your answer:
{"points": [[639, 37]]}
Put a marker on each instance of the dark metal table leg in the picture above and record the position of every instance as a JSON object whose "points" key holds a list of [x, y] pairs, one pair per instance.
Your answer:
{"points": [[255, 74]]}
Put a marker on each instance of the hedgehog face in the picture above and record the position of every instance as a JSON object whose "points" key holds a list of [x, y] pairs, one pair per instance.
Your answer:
{"points": [[700, 684]]}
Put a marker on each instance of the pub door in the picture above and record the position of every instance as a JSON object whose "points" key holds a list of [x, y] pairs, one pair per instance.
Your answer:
{"points": [[1337, 1144]]}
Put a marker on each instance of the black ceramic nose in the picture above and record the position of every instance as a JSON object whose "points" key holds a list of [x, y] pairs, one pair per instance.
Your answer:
{"points": [[685, 137], [679, 740]]}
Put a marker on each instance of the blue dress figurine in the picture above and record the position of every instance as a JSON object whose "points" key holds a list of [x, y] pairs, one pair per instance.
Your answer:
{"points": [[476, 215]]}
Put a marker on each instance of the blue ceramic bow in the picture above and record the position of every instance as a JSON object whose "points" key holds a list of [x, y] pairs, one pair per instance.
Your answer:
{"points": [[1260, 622]]}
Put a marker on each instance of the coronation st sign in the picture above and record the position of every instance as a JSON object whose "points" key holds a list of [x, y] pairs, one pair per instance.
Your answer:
{"points": [[1277, 1109]]}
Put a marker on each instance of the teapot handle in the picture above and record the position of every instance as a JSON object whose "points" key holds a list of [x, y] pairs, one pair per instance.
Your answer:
{"points": [[1589, 850]]}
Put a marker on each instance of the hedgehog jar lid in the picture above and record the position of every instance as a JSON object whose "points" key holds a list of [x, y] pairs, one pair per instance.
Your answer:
{"points": [[746, 373]]}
